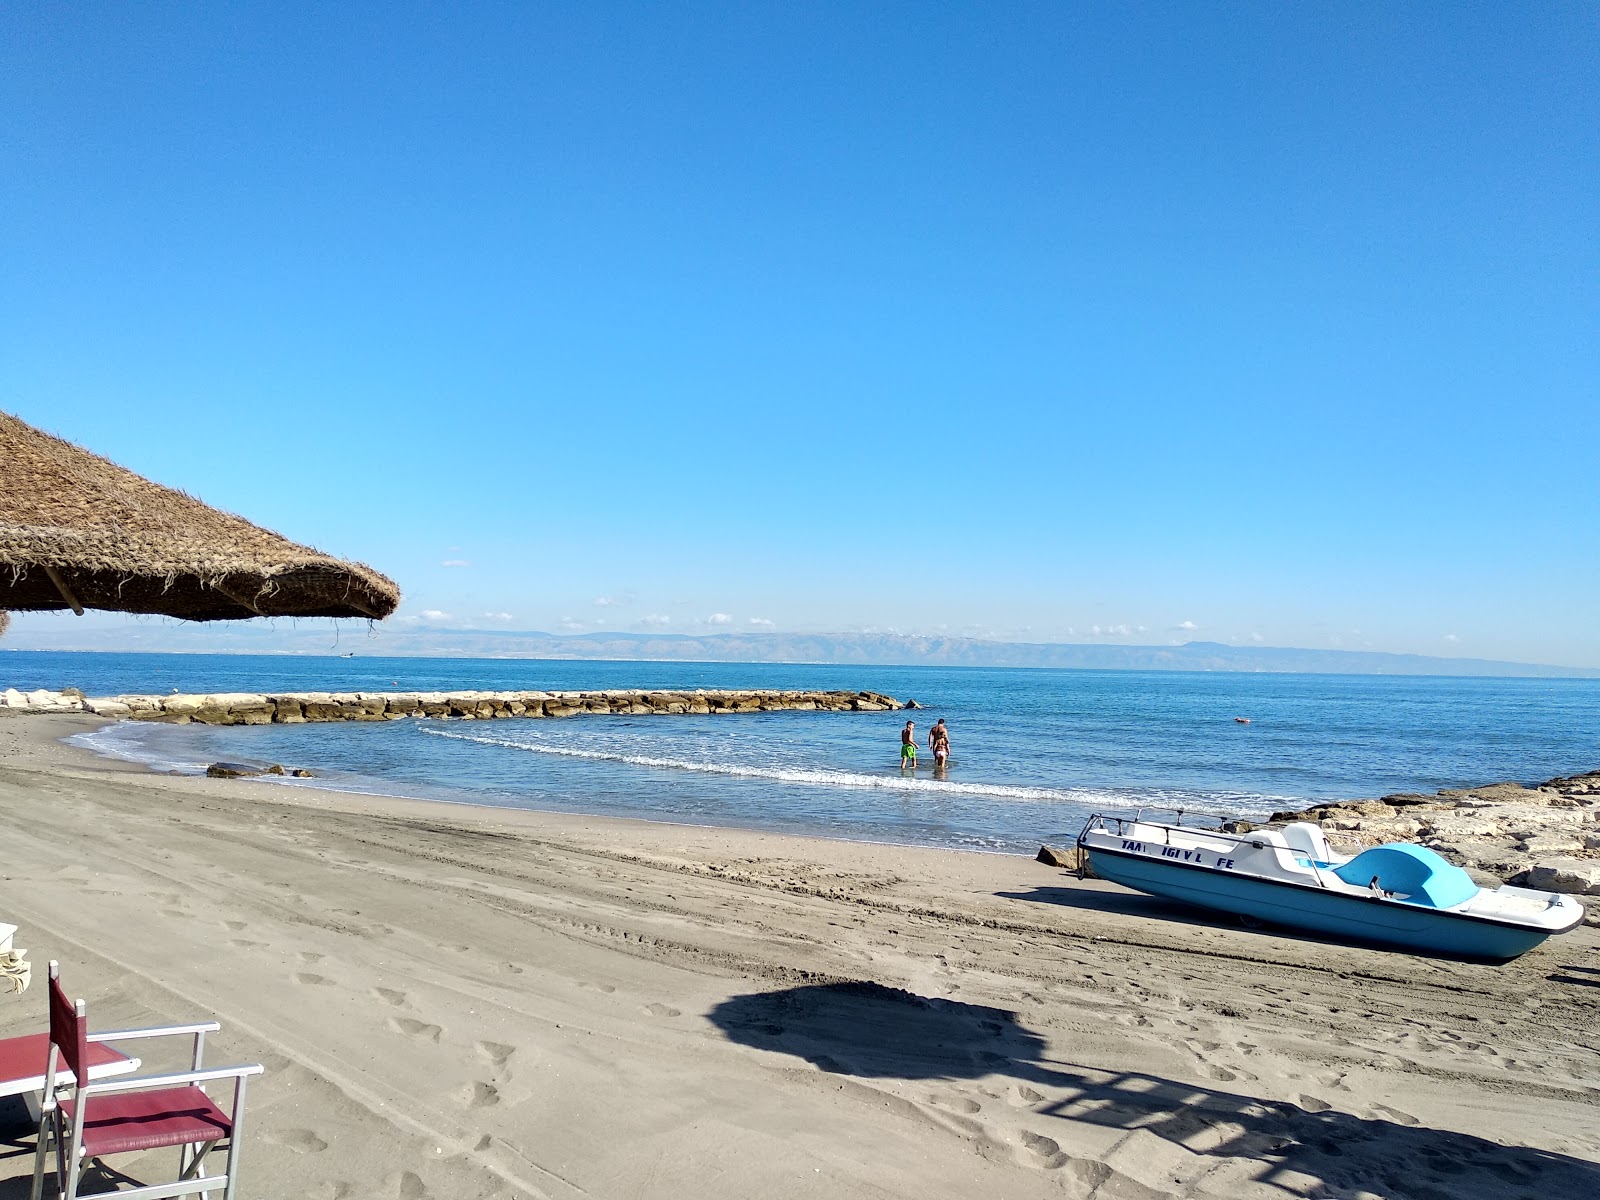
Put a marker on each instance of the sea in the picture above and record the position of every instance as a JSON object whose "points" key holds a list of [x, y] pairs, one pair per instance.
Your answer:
{"points": [[1034, 752]]}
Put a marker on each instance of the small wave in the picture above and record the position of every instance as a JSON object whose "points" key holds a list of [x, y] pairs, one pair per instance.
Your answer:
{"points": [[814, 777], [120, 741]]}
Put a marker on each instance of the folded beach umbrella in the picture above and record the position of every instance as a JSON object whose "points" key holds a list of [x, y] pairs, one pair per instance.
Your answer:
{"points": [[77, 531]]}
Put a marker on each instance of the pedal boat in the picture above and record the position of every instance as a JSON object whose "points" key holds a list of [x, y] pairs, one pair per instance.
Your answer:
{"points": [[1397, 894]]}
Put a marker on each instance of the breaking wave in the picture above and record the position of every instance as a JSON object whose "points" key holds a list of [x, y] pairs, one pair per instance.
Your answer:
{"points": [[813, 776]]}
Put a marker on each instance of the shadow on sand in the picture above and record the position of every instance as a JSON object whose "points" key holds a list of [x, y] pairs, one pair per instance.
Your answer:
{"points": [[875, 1032], [1121, 903], [1137, 904]]}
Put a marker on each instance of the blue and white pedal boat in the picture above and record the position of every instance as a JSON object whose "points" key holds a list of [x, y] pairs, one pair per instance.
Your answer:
{"points": [[1398, 894]]}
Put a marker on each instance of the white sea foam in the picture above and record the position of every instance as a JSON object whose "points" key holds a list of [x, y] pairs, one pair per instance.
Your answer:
{"points": [[122, 741], [810, 776]]}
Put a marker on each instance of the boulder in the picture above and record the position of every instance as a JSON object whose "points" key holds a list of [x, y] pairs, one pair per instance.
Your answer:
{"points": [[1364, 808], [1550, 841], [1570, 876], [1408, 799], [234, 708], [232, 770], [104, 706], [14, 699], [1499, 793], [1052, 857], [286, 710]]}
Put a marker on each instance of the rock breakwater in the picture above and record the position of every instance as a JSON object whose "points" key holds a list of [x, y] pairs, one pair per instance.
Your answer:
{"points": [[252, 708]]}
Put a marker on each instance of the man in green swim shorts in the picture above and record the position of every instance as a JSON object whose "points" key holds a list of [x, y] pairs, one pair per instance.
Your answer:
{"points": [[908, 745]]}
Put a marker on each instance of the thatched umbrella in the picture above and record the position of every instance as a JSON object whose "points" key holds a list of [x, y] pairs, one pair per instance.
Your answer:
{"points": [[77, 531]]}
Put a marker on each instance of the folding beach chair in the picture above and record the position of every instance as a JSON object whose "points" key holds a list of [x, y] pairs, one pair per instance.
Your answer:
{"points": [[22, 1062], [90, 1120]]}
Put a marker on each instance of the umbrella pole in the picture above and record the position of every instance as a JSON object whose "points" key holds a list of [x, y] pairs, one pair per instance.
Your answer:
{"points": [[61, 586]]}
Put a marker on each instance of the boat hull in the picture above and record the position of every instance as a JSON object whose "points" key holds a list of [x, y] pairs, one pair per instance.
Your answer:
{"points": [[1362, 918]]}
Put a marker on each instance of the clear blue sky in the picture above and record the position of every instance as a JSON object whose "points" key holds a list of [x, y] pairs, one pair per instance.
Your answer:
{"points": [[1053, 322]]}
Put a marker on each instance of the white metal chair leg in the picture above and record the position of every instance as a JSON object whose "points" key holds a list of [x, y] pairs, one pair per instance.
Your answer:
{"points": [[45, 1130], [197, 1165]]}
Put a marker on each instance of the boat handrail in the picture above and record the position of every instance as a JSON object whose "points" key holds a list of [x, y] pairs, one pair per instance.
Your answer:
{"points": [[1105, 820]]}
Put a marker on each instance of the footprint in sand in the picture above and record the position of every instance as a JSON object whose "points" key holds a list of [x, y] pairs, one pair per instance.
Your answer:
{"points": [[301, 1141], [236, 926], [329, 1189], [496, 1052], [306, 977], [412, 1187], [484, 1143], [479, 1095], [1047, 1149], [311, 956], [662, 1010], [598, 987], [174, 912], [509, 968], [1314, 1104], [245, 943], [390, 996], [412, 1028], [958, 1104], [1395, 1115], [1025, 1095]]}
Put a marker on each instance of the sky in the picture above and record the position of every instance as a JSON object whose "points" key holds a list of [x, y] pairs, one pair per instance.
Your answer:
{"points": [[1045, 322]]}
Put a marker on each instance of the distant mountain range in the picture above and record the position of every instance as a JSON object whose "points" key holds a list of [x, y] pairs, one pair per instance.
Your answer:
{"points": [[882, 649]]}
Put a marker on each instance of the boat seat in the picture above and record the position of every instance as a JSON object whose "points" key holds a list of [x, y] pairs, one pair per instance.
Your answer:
{"points": [[1305, 837], [1413, 872], [1288, 856]]}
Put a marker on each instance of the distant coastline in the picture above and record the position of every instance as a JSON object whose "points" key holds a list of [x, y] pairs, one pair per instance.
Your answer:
{"points": [[843, 649]]}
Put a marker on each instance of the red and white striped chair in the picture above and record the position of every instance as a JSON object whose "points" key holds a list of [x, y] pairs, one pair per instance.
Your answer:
{"points": [[85, 1121]]}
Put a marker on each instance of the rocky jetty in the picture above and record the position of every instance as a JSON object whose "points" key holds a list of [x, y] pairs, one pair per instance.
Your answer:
{"points": [[67, 700], [1546, 836], [251, 708]]}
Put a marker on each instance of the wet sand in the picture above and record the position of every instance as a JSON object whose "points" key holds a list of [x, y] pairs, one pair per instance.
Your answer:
{"points": [[457, 1002]]}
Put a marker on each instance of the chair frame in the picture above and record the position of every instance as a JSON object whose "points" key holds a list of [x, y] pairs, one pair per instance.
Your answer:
{"points": [[68, 1142]]}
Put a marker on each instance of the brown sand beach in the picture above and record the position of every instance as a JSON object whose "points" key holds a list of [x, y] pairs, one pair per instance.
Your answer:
{"points": [[455, 1002]]}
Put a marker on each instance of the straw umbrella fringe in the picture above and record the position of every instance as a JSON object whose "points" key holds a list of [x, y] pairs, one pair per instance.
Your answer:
{"points": [[78, 531]]}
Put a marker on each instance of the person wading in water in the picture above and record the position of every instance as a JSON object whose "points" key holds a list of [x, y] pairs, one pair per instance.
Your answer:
{"points": [[908, 746], [939, 743]]}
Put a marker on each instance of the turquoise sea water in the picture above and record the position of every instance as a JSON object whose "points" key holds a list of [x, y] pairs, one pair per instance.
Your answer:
{"points": [[1035, 750]]}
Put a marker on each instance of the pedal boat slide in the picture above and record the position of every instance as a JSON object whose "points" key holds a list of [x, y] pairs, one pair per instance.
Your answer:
{"points": [[1397, 894]]}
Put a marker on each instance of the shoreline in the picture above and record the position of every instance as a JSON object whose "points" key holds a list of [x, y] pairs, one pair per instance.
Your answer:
{"points": [[471, 1001], [1543, 835]]}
